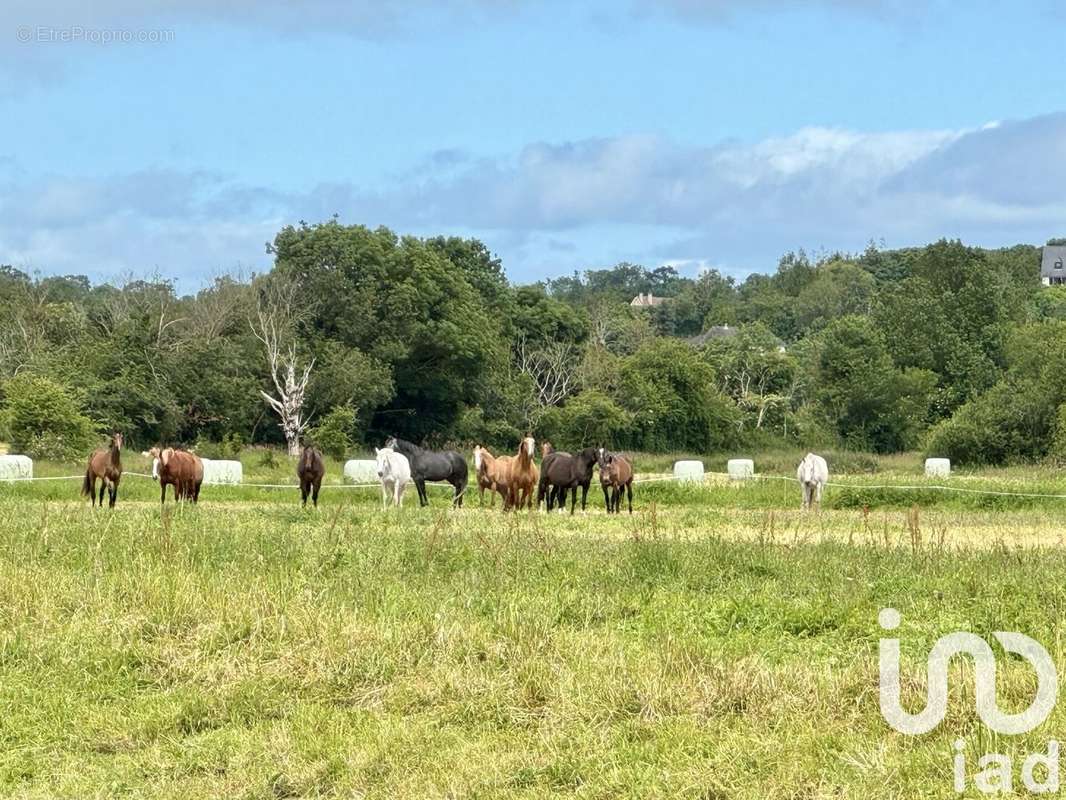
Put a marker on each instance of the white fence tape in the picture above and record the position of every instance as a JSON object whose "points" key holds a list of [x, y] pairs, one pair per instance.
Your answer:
{"points": [[648, 479]]}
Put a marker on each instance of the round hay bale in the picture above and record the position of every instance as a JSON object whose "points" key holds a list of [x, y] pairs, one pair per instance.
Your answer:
{"points": [[14, 468], [740, 469], [688, 470], [361, 470], [222, 472], [937, 467]]}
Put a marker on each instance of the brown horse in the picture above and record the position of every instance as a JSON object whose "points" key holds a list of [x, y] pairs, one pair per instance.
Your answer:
{"points": [[180, 468], [310, 471], [616, 475], [107, 466], [494, 473], [524, 476]]}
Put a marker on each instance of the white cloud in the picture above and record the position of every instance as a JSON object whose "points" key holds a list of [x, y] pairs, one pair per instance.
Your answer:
{"points": [[555, 207]]}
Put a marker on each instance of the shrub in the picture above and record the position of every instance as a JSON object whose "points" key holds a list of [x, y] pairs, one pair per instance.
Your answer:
{"points": [[333, 436], [592, 418], [43, 420]]}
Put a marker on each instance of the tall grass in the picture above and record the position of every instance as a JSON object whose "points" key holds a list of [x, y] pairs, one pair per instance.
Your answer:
{"points": [[252, 649]]}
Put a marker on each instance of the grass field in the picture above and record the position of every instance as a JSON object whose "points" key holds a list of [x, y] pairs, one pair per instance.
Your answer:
{"points": [[716, 644]]}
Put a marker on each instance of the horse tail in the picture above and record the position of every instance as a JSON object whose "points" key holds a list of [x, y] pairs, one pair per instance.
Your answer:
{"points": [[87, 483]]}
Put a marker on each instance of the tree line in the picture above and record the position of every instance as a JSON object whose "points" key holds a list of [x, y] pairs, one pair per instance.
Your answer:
{"points": [[358, 334]]}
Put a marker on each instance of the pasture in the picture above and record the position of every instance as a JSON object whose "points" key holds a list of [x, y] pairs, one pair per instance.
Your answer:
{"points": [[718, 643]]}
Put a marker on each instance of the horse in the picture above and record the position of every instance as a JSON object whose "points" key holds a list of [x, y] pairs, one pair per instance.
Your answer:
{"points": [[564, 471], [616, 475], [523, 476], [394, 470], [554, 493], [428, 465], [182, 469], [106, 465], [310, 470], [492, 474], [813, 474]]}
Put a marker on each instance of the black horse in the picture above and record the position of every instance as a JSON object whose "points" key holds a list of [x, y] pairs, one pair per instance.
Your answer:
{"points": [[561, 472], [429, 465]]}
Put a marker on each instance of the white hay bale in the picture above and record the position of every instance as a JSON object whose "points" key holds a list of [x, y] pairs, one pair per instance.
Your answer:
{"points": [[740, 469], [222, 472], [688, 470], [361, 470], [15, 468], [937, 467]]}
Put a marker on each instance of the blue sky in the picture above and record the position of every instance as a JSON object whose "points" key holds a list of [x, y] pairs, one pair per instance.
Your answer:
{"points": [[566, 135]]}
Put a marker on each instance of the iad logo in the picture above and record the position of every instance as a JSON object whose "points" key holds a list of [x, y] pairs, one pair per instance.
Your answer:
{"points": [[936, 703], [996, 774]]}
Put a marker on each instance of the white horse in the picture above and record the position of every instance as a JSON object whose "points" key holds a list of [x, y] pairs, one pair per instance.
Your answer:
{"points": [[813, 474], [394, 470]]}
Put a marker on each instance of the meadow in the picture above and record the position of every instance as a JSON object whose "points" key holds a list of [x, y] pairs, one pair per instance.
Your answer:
{"points": [[715, 644]]}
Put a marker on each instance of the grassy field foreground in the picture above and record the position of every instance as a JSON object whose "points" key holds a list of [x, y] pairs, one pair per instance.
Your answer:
{"points": [[251, 649]]}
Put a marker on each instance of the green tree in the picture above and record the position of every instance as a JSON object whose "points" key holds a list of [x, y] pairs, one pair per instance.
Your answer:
{"points": [[43, 419], [857, 389], [674, 401]]}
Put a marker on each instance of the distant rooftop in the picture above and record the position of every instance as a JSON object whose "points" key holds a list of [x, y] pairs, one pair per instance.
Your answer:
{"points": [[1053, 265], [715, 332], [647, 300]]}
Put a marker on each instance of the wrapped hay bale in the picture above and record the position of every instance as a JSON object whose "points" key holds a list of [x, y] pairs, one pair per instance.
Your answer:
{"points": [[361, 470], [14, 468], [222, 472], [740, 469], [688, 470], [937, 467]]}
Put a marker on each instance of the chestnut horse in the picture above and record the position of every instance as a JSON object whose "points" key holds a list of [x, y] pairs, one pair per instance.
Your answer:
{"points": [[616, 475], [309, 472], [524, 476], [493, 473], [107, 466], [180, 468]]}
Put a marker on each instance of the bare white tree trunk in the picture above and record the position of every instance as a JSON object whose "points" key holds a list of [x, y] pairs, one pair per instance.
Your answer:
{"points": [[553, 371], [272, 325]]}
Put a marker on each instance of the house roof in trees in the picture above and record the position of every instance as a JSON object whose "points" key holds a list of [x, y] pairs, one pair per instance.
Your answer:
{"points": [[715, 332], [647, 300], [1053, 262]]}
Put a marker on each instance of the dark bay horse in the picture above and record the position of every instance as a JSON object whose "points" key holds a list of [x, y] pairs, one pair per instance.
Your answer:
{"points": [[309, 471], [429, 465], [107, 466], [554, 494], [564, 472]]}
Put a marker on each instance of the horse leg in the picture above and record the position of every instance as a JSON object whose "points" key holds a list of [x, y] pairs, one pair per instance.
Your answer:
{"points": [[420, 484], [584, 494], [629, 491], [314, 491], [112, 494]]}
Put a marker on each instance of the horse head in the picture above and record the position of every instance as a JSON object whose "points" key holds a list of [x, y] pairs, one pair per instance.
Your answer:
{"points": [[391, 442], [116, 440], [528, 445], [382, 456]]}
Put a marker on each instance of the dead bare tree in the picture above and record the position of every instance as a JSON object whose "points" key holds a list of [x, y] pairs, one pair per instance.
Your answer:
{"points": [[276, 313], [552, 368]]}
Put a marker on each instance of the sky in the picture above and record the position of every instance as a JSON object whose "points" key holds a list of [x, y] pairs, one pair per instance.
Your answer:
{"points": [[175, 138]]}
